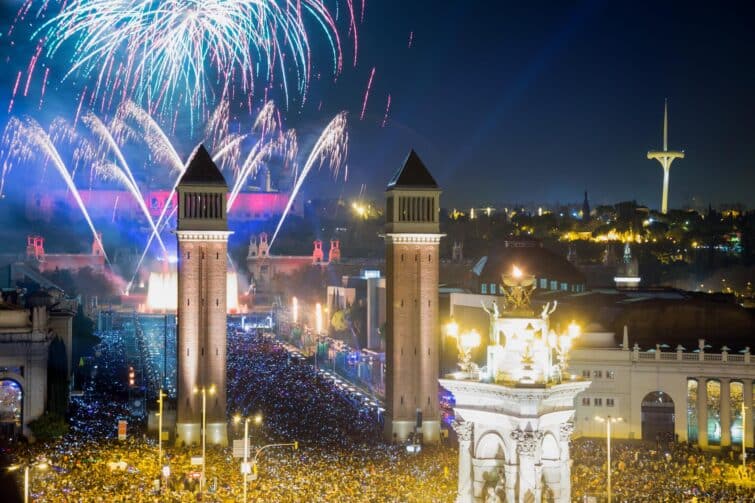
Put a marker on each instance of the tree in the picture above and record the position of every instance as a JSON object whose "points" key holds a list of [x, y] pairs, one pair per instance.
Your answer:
{"points": [[48, 427], [84, 341], [57, 377]]}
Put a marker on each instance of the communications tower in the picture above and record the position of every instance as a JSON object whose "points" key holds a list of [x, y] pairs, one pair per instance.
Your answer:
{"points": [[665, 157]]}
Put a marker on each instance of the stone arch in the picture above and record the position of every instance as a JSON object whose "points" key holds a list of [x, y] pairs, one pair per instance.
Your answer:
{"points": [[713, 393], [488, 463], [658, 417], [550, 456], [11, 407], [490, 446], [549, 448]]}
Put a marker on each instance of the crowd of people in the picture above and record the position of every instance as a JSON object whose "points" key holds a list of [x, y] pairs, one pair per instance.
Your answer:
{"points": [[666, 472], [341, 456]]}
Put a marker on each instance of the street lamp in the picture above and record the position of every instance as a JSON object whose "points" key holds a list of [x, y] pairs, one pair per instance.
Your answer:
{"points": [[245, 468], [160, 401], [204, 390], [744, 438], [41, 465], [318, 318], [465, 343], [608, 420]]}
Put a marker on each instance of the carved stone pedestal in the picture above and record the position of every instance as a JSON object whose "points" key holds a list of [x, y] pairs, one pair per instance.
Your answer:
{"points": [[513, 440]]}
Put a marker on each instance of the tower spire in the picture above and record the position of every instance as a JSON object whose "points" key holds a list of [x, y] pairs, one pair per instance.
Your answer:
{"points": [[665, 125]]}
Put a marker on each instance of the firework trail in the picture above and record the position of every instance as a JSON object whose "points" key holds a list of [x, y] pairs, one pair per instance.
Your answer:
{"points": [[146, 249], [99, 129], [153, 49], [367, 94], [331, 146], [13, 94], [387, 111], [25, 139], [157, 140]]}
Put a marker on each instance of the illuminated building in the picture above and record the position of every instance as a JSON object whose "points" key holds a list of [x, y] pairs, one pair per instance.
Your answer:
{"points": [[665, 157], [119, 205], [628, 272], [368, 290], [514, 415], [666, 392], [264, 267], [202, 289], [27, 328], [412, 239], [552, 272], [35, 254]]}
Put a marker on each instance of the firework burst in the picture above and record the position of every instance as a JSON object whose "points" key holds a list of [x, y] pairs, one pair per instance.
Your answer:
{"points": [[167, 53]]}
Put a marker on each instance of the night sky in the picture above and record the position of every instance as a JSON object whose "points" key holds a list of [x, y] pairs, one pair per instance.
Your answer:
{"points": [[534, 102]]}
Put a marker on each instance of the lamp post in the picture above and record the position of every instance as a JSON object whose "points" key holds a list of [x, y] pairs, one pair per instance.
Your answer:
{"points": [[608, 420], [204, 390], [245, 465], [41, 465], [744, 439], [465, 343], [160, 398]]}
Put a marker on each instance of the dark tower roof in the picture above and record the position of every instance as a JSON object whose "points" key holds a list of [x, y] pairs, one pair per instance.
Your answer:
{"points": [[202, 170], [413, 174]]}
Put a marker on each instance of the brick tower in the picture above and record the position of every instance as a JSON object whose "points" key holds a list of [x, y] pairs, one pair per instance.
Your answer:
{"points": [[412, 238], [202, 242]]}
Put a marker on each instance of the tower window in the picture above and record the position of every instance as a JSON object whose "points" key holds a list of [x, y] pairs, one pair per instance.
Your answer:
{"points": [[402, 399], [188, 255], [217, 256], [217, 302], [188, 302]]}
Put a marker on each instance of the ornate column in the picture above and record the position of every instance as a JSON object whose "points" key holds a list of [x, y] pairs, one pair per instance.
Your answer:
{"points": [[564, 492], [702, 412], [747, 392], [512, 474], [725, 408], [464, 431], [527, 447]]}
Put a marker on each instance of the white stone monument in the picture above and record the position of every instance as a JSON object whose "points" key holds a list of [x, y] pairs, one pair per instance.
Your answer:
{"points": [[514, 416]]}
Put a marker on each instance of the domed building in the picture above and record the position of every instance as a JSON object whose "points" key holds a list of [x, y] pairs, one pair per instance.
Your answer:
{"points": [[552, 271]]}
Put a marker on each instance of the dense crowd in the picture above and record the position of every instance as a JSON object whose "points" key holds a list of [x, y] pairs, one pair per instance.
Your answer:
{"points": [[341, 457], [666, 472]]}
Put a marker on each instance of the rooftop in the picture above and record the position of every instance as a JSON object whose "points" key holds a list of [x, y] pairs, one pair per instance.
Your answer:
{"points": [[202, 170], [413, 175]]}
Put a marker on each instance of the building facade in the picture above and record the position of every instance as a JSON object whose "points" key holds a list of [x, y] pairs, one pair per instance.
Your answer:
{"points": [[667, 394], [25, 337], [412, 239], [202, 250]]}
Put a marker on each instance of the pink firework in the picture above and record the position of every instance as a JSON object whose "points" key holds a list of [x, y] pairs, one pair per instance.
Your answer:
{"points": [[367, 94]]}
